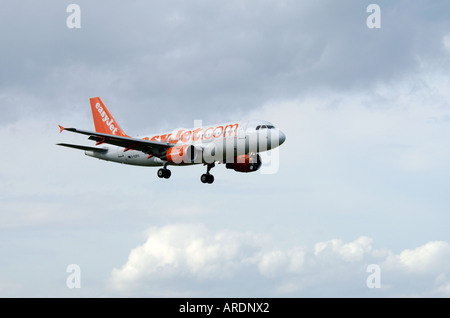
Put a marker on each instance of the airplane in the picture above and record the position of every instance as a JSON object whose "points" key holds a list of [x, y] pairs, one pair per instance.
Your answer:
{"points": [[236, 144]]}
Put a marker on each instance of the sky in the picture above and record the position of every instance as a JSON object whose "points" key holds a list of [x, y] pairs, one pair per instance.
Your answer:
{"points": [[354, 204]]}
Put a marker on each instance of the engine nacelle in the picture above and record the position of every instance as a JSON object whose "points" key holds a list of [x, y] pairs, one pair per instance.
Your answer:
{"points": [[245, 163], [182, 154]]}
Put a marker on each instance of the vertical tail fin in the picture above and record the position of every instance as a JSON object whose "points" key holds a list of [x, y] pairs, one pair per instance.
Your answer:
{"points": [[103, 120]]}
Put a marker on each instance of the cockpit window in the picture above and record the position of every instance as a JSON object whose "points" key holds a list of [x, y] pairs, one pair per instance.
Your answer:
{"points": [[264, 127]]}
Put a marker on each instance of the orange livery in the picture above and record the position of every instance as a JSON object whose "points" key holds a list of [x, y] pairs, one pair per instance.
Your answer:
{"points": [[237, 144]]}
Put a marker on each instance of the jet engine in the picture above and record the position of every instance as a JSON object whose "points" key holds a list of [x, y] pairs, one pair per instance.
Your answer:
{"points": [[245, 163], [182, 154]]}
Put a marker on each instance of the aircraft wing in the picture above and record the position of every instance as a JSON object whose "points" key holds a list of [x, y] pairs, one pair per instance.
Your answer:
{"points": [[85, 148], [129, 143]]}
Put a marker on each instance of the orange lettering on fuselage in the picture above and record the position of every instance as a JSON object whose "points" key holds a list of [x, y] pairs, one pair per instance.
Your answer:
{"points": [[177, 138], [195, 135], [184, 136], [165, 137], [206, 135], [231, 128], [219, 134]]}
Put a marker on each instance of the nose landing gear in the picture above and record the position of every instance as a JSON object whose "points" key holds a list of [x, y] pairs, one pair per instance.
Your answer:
{"points": [[207, 178]]}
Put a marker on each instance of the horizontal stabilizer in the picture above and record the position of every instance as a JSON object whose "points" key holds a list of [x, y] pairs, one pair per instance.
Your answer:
{"points": [[86, 148]]}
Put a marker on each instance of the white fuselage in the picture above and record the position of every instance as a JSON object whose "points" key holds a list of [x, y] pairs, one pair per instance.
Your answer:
{"points": [[217, 143]]}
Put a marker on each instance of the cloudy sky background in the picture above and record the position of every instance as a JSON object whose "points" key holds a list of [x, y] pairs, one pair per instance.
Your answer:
{"points": [[362, 178]]}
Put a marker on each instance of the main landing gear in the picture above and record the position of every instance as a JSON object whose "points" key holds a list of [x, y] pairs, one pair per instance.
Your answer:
{"points": [[164, 172], [207, 177]]}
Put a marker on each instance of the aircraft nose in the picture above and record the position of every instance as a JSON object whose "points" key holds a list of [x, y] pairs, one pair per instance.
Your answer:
{"points": [[281, 137]]}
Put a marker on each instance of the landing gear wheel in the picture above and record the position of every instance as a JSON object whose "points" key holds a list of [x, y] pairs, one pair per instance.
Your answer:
{"points": [[207, 178], [167, 174], [164, 173]]}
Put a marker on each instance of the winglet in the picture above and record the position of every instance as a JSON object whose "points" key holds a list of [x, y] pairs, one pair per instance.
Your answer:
{"points": [[61, 128]]}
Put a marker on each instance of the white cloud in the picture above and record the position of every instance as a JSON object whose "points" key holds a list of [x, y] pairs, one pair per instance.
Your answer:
{"points": [[349, 252], [183, 252], [204, 262], [278, 262], [422, 259]]}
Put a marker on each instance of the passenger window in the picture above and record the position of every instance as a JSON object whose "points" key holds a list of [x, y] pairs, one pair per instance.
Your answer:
{"points": [[263, 126], [257, 128]]}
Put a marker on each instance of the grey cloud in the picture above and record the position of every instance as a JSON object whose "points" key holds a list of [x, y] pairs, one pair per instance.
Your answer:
{"points": [[209, 60]]}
